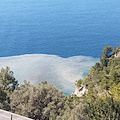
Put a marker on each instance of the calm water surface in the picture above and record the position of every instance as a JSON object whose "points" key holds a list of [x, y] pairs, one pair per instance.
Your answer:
{"points": [[60, 27]]}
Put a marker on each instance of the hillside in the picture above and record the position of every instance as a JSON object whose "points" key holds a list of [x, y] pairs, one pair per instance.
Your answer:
{"points": [[102, 87], [105, 74]]}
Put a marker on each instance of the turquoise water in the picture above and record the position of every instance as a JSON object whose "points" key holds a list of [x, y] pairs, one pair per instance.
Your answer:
{"points": [[59, 27]]}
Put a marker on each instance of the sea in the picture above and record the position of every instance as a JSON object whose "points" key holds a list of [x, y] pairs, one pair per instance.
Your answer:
{"points": [[56, 40]]}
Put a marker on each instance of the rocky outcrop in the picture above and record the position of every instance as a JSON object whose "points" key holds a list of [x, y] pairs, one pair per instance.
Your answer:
{"points": [[79, 91]]}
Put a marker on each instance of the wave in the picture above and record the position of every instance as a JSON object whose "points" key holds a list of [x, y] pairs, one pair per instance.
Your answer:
{"points": [[61, 72]]}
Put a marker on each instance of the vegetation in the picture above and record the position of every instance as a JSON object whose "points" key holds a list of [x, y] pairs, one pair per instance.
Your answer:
{"points": [[107, 50], [41, 102], [103, 83], [45, 102], [7, 85]]}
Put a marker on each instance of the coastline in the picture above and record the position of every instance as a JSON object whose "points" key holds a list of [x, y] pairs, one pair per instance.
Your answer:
{"points": [[61, 72]]}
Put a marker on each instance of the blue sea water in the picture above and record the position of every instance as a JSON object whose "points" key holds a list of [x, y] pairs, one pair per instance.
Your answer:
{"points": [[60, 27]]}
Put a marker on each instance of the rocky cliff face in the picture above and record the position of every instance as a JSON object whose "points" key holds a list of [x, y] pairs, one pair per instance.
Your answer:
{"points": [[79, 91]]}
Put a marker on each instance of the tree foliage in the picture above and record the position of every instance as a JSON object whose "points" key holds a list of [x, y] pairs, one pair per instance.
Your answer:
{"points": [[7, 80], [107, 50], [41, 102], [116, 50], [104, 87], [7, 85]]}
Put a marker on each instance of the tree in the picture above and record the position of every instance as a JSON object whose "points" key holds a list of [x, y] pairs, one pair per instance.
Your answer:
{"points": [[7, 80], [104, 59], [107, 109], [2, 95], [79, 83], [107, 50], [7, 85], [42, 102], [116, 50]]}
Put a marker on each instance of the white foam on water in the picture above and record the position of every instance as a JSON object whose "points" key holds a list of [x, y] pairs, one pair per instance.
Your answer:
{"points": [[61, 72]]}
